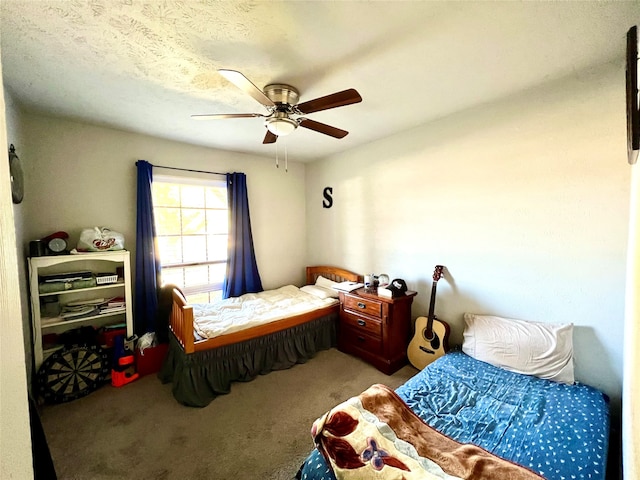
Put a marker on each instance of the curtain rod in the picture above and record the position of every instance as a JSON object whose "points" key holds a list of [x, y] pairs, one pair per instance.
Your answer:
{"points": [[187, 170]]}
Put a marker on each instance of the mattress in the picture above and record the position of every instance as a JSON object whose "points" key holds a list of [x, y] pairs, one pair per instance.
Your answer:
{"points": [[252, 309], [557, 430]]}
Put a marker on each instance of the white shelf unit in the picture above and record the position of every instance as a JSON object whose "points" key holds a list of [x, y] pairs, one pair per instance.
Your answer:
{"points": [[103, 262]]}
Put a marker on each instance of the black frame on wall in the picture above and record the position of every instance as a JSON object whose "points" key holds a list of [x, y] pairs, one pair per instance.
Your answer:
{"points": [[633, 107]]}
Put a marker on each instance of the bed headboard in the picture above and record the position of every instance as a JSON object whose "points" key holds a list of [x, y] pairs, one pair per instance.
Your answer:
{"points": [[332, 273]]}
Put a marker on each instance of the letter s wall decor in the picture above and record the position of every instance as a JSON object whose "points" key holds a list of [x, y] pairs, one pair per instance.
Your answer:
{"points": [[328, 199]]}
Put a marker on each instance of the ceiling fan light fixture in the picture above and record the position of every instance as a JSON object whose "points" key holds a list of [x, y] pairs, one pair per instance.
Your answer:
{"points": [[281, 126]]}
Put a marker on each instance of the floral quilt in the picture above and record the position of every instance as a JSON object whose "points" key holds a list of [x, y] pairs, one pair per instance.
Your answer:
{"points": [[376, 435]]}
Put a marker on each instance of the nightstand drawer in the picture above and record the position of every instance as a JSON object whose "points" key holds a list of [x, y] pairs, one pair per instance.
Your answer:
{"points": [[363, 305], [360, 340], [365, 325]]}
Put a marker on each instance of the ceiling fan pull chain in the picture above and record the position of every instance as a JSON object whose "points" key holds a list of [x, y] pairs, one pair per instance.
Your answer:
{"points": [[286, 159], [277, 163]]}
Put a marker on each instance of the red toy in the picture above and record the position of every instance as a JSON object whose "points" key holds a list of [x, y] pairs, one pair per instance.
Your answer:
{"points": [[124, 364]]}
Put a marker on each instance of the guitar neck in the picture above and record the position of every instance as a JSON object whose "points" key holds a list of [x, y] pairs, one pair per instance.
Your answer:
{"points": [[428, 331], [437, 273], [432, 302]]}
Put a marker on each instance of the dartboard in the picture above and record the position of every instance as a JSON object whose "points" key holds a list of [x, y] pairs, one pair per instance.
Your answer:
{"points": [[72, 372]]}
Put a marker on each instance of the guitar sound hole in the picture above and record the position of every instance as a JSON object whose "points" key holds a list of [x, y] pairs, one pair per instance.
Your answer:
{"points": [[434, 341]]}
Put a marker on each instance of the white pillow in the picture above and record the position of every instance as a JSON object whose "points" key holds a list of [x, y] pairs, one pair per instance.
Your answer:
{"points": [[325, 282], [320, 292], [532, 348]]}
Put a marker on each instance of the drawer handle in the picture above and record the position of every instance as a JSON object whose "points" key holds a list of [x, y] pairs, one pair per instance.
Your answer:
{"points": [[362, 323], [361, 305], [361, 339]]}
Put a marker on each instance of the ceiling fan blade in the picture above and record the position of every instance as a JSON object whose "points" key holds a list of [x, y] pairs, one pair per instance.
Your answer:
{"points": [[339, 99], [270, 137], [323, 128], [243, 83], [218, 116]]}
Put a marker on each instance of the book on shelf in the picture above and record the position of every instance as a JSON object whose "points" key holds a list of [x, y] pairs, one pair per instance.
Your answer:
{"points": [[67, 311], [76, 312], [100, 302], [65, 277], [116, 302], [91, 301], [116, 309]]}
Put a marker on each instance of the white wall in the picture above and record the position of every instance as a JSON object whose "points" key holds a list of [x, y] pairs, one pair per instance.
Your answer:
{"points": [[15, 436], [15, 137], [524, 201], [79, 176], [631, 390]]}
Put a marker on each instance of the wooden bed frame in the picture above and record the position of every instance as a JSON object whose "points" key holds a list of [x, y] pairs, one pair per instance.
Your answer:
{"points": [[181, 317]]}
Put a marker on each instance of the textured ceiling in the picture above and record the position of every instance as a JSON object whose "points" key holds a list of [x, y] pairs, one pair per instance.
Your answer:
{"points": [[146, 66]]}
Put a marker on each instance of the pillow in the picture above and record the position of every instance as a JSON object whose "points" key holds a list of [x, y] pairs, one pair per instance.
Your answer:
{"points": [[325, 282], [320, 292], [532, 348]]}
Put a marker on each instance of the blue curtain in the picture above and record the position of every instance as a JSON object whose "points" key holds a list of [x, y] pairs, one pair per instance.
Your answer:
{"points": [[242, 271], [147, 258]]}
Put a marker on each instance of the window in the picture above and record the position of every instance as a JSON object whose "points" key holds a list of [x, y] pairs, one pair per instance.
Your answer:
{"points": [[191, 216]]}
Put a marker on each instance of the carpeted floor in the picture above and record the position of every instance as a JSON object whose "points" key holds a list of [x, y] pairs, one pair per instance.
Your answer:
{"points": [[259, 431]]}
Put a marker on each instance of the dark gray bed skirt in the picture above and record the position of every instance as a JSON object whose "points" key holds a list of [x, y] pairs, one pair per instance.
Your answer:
{"points": [[201, 376]]}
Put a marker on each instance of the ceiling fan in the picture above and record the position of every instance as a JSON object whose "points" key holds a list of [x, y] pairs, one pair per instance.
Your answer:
{"points": [[281, 101]]}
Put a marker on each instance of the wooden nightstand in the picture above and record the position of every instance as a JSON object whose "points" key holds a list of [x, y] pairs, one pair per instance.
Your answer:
{"points": [[376, 329]]}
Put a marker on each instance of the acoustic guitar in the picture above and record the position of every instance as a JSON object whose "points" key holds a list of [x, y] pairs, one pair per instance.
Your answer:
{"points": [[431, 337]]}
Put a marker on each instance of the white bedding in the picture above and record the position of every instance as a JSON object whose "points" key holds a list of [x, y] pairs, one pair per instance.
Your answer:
{"points": [[239, 313]]}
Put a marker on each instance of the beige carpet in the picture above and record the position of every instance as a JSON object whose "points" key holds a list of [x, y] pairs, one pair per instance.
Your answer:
{"points": [[259, 431]]}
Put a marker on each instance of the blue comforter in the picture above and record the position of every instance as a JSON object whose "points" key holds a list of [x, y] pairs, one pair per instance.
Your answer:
{"points": [[560, 431]]}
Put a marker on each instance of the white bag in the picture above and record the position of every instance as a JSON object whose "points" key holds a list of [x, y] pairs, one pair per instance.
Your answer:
{"points": [[100, 239]]}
